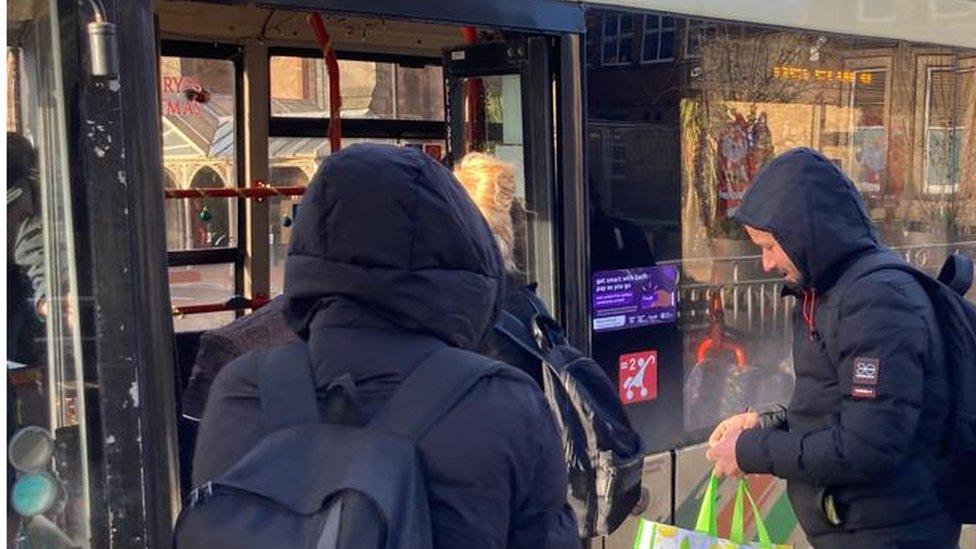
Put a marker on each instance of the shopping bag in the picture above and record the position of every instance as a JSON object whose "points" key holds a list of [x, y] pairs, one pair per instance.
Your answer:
{"points": [[655, 535]]}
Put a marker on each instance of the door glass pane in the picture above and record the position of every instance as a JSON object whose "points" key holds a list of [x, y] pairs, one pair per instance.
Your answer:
{"points": [[48, 458], [200, 285], [494, 124], [199, 151]]}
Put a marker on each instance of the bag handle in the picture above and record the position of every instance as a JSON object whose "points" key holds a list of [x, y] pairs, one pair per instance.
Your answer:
{"points": [[646, 534], [736, 535], [707, 522]]}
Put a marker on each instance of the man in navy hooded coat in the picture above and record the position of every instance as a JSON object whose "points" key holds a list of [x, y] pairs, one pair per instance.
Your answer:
{"points": [[389, 262], [860, 443]]}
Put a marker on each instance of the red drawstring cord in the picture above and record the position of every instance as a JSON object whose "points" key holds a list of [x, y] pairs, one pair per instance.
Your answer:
{"points": [[809, 310]]}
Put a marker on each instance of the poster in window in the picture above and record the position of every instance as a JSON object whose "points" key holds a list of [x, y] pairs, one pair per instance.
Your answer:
{"points": [[629, 298], [870, 158]]}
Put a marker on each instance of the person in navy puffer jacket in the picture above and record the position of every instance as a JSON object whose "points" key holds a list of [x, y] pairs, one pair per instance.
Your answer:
{"points": [[860, 443], [390, 261]]}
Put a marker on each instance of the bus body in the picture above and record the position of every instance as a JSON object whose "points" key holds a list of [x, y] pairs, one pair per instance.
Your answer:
{"points": [[158, 202]]}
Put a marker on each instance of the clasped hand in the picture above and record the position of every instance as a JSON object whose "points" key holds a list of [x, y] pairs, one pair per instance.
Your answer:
{"points": [[721, 443]]}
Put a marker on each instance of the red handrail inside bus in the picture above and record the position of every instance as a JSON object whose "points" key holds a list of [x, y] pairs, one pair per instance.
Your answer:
{"points": [[474, 127], [332, 66]]}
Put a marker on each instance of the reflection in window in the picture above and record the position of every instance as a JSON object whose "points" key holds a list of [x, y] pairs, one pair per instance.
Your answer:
{"points": [[618, 36], [49, 462], [659, 39], [947, 90], [672, 153], [696, 33], [869, 138]]}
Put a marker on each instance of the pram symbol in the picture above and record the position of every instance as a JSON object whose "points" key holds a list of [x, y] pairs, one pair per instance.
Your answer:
{"points": [[638, 376], [636, 381]]}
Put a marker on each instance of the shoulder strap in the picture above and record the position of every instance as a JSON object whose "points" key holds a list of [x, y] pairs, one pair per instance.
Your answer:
{"points": [[434, 387], [521, 333], [957, 273], [511, 327], [287, 388], [867, 265]]}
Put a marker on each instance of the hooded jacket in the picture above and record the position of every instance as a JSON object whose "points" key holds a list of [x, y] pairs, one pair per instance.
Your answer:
{"points": [[865, 423], [389, 261]]}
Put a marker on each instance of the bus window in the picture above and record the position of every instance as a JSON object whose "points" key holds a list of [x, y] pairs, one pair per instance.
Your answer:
{"points": [[49, 467], [198, 112], [372, 91], [678, 127], [369, 89]]}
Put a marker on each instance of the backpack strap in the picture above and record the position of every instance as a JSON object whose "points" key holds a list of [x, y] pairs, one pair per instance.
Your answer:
{"points": [[519, 332], [957, 273], [287, 388], [511, 327], [434, 387]]}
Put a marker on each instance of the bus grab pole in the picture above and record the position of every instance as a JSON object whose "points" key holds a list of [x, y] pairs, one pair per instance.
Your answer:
{"points": [[332, 66]]}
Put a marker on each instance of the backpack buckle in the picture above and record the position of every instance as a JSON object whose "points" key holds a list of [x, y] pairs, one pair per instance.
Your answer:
{"points": [[201, 493]]}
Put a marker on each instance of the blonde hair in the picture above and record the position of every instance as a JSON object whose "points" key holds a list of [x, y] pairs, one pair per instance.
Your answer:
{"points": [[491, 185]]}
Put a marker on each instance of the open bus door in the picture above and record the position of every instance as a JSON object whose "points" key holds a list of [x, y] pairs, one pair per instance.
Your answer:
{"points": [[499, 100]]}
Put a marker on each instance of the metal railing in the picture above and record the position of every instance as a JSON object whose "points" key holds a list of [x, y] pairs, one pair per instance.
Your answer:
{"points": [[755, 304]]}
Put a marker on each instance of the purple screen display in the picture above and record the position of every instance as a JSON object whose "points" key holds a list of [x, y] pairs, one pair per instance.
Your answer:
{"points": [[629, 298]]}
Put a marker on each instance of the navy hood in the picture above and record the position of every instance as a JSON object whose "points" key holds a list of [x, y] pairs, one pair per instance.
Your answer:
{"points": [[815, 213], [386, 237]]}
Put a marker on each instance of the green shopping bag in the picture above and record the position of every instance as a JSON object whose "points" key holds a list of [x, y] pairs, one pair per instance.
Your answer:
{"points": [[655, 535]]}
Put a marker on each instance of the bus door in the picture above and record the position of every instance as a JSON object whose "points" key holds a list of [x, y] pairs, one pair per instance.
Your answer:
{"points": [[499, 100]]}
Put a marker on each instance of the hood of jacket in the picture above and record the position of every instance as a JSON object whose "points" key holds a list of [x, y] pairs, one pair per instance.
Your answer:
{"points": [[386, 237], [815, 213]]}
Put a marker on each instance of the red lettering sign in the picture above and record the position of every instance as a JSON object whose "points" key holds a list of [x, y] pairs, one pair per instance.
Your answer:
{"points": [[638, 377]]}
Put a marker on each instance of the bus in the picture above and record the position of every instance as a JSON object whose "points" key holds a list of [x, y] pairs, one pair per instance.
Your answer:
{"points": [[158, 150]]}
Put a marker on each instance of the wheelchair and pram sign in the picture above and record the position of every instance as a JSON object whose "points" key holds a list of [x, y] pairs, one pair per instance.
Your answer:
{"points": [[630, 298], [638, 377]]}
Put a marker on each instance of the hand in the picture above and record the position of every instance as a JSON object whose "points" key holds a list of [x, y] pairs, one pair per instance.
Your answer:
{"points": [[723, 455], [747, 420]]}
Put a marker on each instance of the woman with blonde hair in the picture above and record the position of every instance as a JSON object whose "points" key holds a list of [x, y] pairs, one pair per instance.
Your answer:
{"points": [[491, 185]]}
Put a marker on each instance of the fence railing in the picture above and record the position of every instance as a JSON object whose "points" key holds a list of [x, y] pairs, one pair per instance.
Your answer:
{"points": [[755, 304]]}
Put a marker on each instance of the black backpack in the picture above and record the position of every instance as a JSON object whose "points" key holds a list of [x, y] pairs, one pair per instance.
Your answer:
{"points": [[957, 320], [604, 455], [335, 483]]}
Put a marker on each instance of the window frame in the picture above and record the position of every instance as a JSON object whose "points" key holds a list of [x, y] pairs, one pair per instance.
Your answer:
{"points": [[364, 128], [927, 127], [615, 39], [873, 62], [659, 32], [238, 253], [289, 127]]}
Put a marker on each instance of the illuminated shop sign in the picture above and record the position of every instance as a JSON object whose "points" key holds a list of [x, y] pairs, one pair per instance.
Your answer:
{"points": [[786, 72]]}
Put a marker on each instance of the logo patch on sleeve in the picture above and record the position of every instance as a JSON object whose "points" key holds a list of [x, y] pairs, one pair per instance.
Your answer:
{"points": [[865, 371], [864, 392]]}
